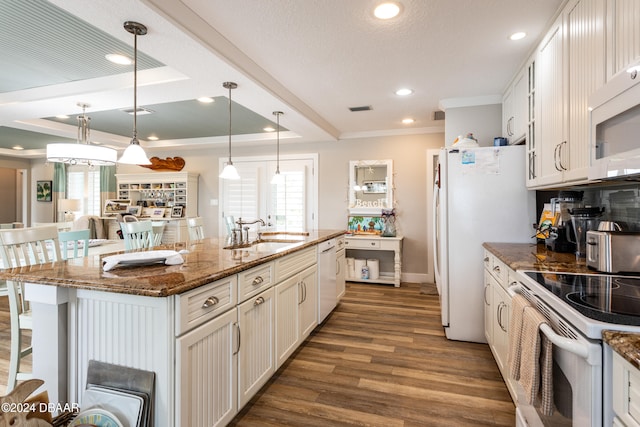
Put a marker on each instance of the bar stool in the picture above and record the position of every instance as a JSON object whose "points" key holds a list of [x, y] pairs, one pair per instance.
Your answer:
{"points": [[18, 248], [195, 227]]}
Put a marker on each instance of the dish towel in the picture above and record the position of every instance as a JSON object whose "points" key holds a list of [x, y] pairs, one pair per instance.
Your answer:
{"points": [[518, 304], [536, 361]]}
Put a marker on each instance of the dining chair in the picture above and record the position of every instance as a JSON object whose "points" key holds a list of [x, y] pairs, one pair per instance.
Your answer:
{"points": [[74, 240], [18, 248], [158, 231], [137, 235], [195, 226]]}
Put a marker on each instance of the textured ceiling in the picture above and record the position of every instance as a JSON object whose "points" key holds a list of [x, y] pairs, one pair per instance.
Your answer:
{"points": [[311, 59]]}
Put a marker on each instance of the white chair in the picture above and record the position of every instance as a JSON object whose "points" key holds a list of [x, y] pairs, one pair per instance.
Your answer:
{"points": [[230, 223], [195, 226], [158, 231], [137, 235], [70, 240], [22, 247]]}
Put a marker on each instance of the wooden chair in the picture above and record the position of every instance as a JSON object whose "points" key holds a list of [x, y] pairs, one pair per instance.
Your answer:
{"points": [[158, 231], [137, 235], [70, 240], [195, 226], [18, 248]]}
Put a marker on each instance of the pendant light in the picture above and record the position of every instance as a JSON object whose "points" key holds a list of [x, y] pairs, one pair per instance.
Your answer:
{"points": [[134, 154], [229, 171], [278, 178], [83, 152]]}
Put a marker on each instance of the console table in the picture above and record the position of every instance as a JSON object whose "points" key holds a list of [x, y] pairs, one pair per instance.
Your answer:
{"points": [[377, 244]]}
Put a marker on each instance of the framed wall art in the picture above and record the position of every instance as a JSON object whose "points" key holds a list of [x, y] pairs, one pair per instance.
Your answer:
{"points": [[176, 212], [43, 191]]}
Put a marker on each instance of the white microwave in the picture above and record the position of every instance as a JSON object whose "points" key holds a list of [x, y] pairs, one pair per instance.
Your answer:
{"points": [[614, 141]]}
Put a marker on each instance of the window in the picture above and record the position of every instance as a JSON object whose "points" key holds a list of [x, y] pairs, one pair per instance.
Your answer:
{"points": [[84, 184], [290, 205]]}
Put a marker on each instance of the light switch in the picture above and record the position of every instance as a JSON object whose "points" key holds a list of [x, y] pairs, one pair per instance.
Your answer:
{"points": [[213, 202]]}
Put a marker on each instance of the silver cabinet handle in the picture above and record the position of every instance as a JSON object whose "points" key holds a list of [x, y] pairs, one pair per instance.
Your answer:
{"points": [[486, 259], [301, 297], [237, 326], [210, 302], [258, 301], [496, 268], [257, 281], [372, 243], [487, 286], [499, 314]]}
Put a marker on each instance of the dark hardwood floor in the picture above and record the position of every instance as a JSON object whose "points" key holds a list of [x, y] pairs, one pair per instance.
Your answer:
{"points": [[381, 359]]}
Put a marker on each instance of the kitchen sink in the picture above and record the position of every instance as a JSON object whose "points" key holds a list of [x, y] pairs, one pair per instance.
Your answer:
{"points": [[266, 245]]}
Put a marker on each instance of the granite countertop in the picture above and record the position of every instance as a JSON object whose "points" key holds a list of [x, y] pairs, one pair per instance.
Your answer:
{"points": [[529, 256], [626, 344], [205, 262]]}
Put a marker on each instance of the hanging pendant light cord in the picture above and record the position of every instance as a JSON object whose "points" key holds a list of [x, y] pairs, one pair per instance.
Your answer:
{"points": [[277, 113], [135, 86], [230, 124]]}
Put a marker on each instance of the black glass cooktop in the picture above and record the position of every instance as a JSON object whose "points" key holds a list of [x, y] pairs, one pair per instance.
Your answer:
{"points": [[612, 299]]}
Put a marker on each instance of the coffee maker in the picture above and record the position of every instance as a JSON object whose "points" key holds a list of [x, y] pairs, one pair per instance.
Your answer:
{"points": [[561, 234]]}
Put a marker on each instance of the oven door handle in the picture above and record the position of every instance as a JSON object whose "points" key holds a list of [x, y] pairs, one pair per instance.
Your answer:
{"points": [[567, 344]]}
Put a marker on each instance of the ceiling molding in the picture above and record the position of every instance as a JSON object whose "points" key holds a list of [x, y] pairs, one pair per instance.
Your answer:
{"points": [[473, 101]]}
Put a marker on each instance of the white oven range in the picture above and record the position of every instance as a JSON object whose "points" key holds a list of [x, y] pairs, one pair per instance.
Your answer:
{"points": [[579, 307]]}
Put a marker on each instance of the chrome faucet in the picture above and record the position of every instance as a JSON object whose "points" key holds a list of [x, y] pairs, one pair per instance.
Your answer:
{"points": [[243, 230]]}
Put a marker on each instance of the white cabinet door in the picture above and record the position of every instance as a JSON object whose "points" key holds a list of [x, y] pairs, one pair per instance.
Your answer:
{"points": [[341, 266], [206, 363], [309, 301], [623, 27], [586, 73], [501, 306], [551, 114], [256, 361], [288, 297], [296, 312], [514, 109]]}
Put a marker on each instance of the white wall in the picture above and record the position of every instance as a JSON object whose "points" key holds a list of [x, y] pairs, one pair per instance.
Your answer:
{"points": [[484, 122]]}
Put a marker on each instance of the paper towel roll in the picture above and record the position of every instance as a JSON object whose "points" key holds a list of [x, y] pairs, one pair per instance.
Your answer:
{"points": [[358, 264], [351, 268], [374, 268]]}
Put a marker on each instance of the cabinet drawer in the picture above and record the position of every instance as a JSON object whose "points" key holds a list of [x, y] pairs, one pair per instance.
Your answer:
{"points": [[359, 243], [292, 264], [488, 260], [340, 243], [254, 281], [199, 305]]}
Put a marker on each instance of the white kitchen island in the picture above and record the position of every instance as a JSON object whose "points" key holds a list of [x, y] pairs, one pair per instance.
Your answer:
{"points": [[198, 326]]}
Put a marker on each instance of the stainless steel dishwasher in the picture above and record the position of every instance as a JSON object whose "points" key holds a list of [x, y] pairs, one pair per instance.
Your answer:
{"points": [[327, 292]]}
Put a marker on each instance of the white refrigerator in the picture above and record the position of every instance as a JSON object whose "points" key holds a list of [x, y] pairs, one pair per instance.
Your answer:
{"points": [[479, 196]]}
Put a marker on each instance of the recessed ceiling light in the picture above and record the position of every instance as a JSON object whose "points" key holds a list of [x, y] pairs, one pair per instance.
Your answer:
{"points": [[408, 121], [118, 59], [404, 92], [206, 99], [153, 138], [62, 116], [17, 147], [518, 36], [387, 10], [269, 129]]}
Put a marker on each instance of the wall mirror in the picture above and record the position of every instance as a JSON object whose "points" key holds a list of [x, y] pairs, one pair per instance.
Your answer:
{"points": [[370, 186]]}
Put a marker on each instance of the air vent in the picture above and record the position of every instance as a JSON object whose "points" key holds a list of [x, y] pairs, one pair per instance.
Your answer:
{"points": [[438, 115], [363, 108], [140, 111]]}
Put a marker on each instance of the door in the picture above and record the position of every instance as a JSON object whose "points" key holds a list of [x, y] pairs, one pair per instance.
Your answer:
{"points": [[340, 274], [290, 205], [309, 301], [288, 297]]}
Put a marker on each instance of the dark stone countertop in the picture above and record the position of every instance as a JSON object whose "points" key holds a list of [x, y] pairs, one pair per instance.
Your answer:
{"points": [[529, 256], [205, 262], [626, 344]]}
